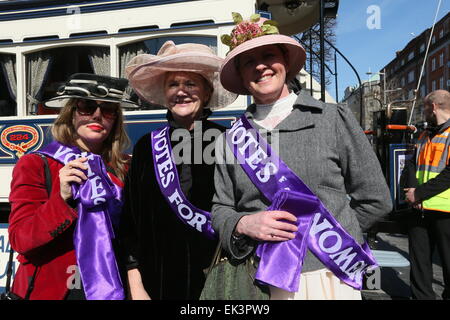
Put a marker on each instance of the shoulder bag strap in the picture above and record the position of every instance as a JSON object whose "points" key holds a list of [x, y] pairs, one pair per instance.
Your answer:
{"points": [[9, 270], [48, 176], [216, 258]]}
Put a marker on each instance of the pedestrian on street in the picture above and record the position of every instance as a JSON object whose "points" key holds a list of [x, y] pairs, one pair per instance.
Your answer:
{"points": [[428, 191]]}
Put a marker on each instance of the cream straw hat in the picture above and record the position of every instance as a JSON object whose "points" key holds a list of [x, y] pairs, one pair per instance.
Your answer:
{"points": [[146, 72]]}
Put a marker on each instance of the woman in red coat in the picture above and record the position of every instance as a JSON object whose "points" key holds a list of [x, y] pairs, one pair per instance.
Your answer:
{"points": [[64, 238]]}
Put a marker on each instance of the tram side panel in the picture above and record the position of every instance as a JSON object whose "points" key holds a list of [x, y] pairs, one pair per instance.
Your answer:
{"points": [[19, 137]]}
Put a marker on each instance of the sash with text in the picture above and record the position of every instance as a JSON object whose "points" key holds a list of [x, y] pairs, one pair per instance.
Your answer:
{"points": [[98, 205], [169, 184], [281, 262]]}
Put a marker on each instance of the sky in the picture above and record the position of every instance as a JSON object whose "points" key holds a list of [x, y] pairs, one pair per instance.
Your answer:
{"points": [[369, 40]]}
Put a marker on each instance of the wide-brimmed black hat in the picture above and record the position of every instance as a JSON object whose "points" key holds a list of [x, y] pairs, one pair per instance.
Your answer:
{"points": [[92, 87]]}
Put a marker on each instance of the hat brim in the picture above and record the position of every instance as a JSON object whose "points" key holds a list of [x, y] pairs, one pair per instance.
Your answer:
{"points": [[61, 101], [229, 75], [147, 76]]}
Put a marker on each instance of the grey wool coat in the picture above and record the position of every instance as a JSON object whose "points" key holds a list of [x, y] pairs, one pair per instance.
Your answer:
{"points": [[325, 146]]}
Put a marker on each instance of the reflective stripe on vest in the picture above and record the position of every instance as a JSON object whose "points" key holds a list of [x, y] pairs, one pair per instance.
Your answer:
{"points": [[432, 157]]}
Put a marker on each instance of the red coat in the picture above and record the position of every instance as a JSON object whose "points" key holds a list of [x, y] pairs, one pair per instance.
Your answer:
{"points": [[41, 230]]}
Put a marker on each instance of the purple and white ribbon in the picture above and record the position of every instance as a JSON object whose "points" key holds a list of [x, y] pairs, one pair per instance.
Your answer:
{"points": [[169, 184], [98, 205], [318, 230]]}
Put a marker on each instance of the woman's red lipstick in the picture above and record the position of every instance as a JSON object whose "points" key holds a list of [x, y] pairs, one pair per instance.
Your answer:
{"points": [[95, 127]]}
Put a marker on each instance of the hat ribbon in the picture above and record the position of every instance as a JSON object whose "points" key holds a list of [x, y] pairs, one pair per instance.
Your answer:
{"points": [[99, 91]]}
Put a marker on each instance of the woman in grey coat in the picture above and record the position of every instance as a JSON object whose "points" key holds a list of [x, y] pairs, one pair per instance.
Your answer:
{"points": [[322, 145]]}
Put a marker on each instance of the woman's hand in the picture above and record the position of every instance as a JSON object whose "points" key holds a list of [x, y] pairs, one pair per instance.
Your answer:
{"points": [[71, 172], [137, 290], [266, 226]]}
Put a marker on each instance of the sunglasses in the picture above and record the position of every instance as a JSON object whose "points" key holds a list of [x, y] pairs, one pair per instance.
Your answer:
{"points": [[88, 107]]}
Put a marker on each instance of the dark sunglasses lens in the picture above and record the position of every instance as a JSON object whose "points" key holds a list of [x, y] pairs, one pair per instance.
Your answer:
{"points": [[88, 107], [85, 107], [109, 110]]}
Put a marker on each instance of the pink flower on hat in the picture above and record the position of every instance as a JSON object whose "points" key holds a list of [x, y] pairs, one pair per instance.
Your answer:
{"points": [[248, 29]]}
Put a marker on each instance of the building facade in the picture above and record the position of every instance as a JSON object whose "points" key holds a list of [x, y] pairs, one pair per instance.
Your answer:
{"points": [[371, 91], [404, 71]]}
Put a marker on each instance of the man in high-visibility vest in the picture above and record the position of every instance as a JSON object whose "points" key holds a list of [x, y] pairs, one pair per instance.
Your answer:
{"points": [[429, 225]]}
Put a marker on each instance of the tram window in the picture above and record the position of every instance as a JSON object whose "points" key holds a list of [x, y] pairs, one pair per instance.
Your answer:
{"points": [[48, 69], [8, 85], [156, 43], [152, 46]]}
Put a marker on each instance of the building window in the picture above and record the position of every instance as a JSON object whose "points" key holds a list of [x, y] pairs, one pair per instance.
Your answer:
{"points": [[423, 91], [411, 94], [441, 59], [433, 40], [48, 69], [441, 33], [403, 62], [152, 46], [411, 55], [411, 76], [402, 82], [8, 85], [441, 83], [433, 64], [422, 47], [433, 85]]}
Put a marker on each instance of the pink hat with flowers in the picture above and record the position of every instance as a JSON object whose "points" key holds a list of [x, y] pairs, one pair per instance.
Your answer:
{"points": [[250, 34]]}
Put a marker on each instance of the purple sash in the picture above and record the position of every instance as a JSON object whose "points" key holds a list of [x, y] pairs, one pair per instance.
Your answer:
{"points": [[98, 205], [169, 184], [281, 262]]}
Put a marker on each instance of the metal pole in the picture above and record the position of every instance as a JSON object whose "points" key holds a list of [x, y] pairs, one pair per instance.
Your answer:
{"points": [[322, 52], [361, 109], [336, 76], [311, 63], [384, 87]]}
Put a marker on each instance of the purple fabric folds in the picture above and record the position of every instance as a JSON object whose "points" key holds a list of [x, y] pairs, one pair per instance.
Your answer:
{"points": [[98, 204], [169, 183], [281, 262]]}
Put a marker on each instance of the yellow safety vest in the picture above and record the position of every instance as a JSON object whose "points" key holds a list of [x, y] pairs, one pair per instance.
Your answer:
{"points": [[432, 157]]}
